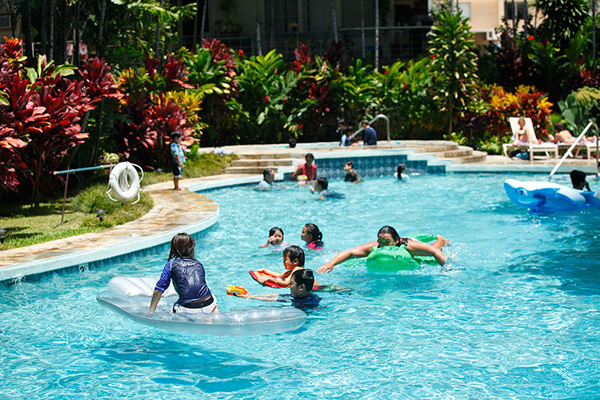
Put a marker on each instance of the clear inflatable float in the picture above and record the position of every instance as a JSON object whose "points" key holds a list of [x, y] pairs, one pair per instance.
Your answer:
{"points": [[130, 297]]}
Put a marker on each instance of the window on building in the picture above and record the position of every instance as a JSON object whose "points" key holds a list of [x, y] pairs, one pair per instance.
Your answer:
{"points": [[5, 21], [281, 16], [466, 9], [352, 13], [510, 7]]}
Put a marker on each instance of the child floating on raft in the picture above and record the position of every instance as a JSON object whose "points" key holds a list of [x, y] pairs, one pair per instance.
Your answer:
{"points": [[301, 296], [387, 236], [293, 260]]}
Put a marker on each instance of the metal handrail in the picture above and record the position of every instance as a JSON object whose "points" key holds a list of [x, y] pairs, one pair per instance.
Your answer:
{"points": [[387, 121], [68, 171], [557, 166]]}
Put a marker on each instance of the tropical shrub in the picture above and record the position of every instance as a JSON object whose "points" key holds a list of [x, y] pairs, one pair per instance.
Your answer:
{"points": [[554, 57], [453, 63], [19, 117], [563, 20], [578, 108], [320, 89], [403, 94], [213, 70], [148, 114], [39, 118], [10, 158], [491, 127], [261, 104], [101, 86], [65, 102]]}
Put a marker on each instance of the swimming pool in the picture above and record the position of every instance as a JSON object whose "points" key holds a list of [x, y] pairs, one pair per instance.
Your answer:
{"points": [[513, 314]]}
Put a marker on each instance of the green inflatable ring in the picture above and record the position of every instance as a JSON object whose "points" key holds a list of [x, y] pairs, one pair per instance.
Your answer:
{"points": [[397, 258]]}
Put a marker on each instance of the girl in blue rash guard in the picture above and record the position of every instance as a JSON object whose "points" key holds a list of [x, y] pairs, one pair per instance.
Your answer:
{"points": [[187, 275]]}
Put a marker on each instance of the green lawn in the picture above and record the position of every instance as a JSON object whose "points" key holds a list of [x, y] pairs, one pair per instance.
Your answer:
{"points": [[25, 228]]}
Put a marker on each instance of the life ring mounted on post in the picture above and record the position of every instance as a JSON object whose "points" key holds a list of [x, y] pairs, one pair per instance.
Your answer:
{"points": [[124, 182]]}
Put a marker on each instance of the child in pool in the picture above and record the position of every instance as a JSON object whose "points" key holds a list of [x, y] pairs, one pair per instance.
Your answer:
{"points": [[308, 170], [187, 275], [276, 241], [321, 185], [293, 260], [312, 236], [351, 174], [401, 169], [578, 180], [301, 296]]}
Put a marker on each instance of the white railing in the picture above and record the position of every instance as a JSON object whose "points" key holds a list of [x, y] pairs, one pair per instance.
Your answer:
{"points": [[387, 123], [568, 153]]}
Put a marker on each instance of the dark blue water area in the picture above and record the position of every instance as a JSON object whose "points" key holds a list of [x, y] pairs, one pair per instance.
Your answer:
{"points": [[512, 314]]}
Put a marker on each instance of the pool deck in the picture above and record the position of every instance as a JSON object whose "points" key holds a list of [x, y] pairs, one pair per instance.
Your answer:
{"points": [[177, 211]]}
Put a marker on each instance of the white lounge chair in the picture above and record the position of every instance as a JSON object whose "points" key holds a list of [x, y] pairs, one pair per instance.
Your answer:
{"points": [[547, 149]]}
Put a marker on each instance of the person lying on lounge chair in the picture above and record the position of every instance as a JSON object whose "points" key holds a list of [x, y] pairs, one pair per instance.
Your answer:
{"points": [[564, 136]]}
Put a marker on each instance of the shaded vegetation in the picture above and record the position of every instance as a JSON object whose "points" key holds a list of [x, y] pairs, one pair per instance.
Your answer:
{"points": [[25, 228]]}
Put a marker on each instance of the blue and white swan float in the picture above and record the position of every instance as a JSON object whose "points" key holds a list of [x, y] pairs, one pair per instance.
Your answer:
{"points": [[545, 197]]}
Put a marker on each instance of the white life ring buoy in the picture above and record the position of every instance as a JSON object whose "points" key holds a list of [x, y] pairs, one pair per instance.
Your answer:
{"points": [[124, 182]]}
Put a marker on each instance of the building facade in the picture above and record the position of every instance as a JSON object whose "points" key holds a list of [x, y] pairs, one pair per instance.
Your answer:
{"points": [[256, 26]]}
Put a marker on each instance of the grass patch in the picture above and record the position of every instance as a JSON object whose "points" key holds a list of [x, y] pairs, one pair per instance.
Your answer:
{"points": [[25, 228], [197, 166]]}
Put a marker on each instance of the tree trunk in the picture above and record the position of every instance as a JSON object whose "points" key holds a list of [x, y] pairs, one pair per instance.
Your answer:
{"points": [[376, 35], [525, 19], [593, 34], [76, 36], [258, 39], [514, 18], [96, 145], [44, 30], [36, 195], [204, 11], [101, 29], [362, 27], [180, 27], [334, 17], [51, 19], [26, 13], [158, 33]]}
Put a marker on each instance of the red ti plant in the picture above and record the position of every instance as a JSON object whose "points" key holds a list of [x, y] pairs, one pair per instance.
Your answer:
{"points": [[98, 80], [220, 52], [19, 117], [336, 56], [176, 73], [304, 57], [64, 101], [134, 139], [9, 158], [99, 84], [143, 138], [19, 120], [165, 118]]}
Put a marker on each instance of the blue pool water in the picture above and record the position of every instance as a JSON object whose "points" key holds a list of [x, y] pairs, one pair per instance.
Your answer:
{"points": [[513, 314]]}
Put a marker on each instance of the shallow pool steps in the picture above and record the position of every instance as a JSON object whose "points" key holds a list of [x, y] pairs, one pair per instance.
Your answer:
{"points": [[462, 155], [255, 163]]}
